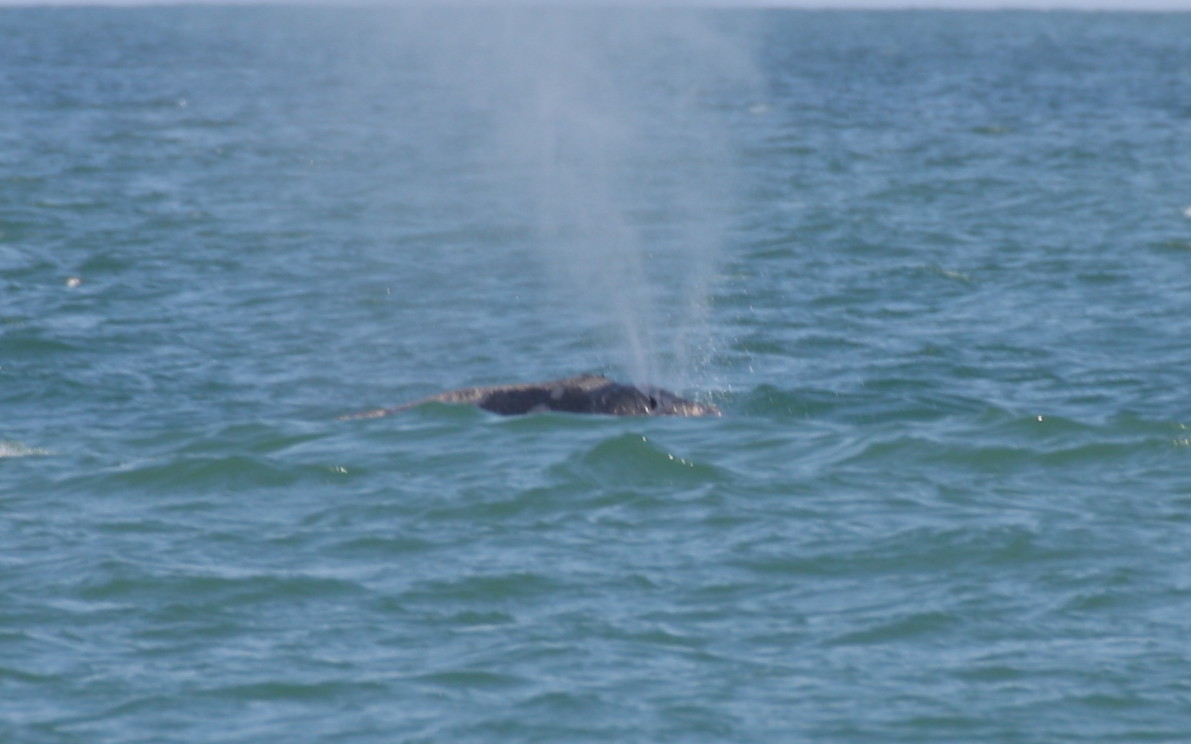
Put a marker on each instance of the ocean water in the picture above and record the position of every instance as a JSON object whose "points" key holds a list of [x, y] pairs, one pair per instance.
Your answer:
{"points": [[935, 268]]}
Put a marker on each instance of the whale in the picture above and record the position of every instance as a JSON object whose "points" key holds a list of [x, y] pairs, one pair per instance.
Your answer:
{"points": [[588, 393]]}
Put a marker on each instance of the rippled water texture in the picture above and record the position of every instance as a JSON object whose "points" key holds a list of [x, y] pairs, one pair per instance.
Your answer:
{"points": [[933, 267]]}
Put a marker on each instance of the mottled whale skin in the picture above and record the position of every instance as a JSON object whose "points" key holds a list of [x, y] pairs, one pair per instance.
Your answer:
{"points": [[582, 394]]}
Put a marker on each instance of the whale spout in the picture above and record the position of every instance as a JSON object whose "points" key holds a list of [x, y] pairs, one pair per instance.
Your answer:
{"points": [[582, 394]]}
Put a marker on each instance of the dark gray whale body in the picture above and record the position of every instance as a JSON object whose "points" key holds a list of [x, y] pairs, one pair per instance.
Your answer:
{"points": [[582, 394]]}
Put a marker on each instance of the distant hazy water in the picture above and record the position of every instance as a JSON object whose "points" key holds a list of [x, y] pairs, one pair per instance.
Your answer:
{"points": [[934, 267]]}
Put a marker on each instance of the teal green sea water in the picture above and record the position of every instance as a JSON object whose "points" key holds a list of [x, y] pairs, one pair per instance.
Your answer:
{"points": [[935, 268]]}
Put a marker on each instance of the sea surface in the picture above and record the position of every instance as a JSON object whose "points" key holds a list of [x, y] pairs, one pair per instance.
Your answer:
{"points": [[934, 267]]}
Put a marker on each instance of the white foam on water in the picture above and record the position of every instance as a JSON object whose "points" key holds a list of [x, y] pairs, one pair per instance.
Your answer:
{"points": [[16, 449]]}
